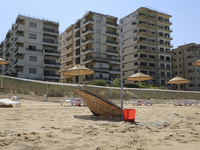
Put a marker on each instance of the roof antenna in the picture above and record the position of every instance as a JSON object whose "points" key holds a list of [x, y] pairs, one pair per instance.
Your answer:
{"points": [[19, 11]]}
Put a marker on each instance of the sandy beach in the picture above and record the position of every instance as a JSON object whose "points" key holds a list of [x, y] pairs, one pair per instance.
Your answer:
{"points": [[47, 125]]}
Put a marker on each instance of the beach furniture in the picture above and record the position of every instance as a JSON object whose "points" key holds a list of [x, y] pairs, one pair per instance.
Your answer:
{"points": [[139, 102], [77, 101], [177, 102], [9, 101], [190, 102], [98, 105]]}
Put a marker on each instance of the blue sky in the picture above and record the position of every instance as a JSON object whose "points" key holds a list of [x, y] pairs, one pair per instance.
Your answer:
{"points": [[185, 13]]}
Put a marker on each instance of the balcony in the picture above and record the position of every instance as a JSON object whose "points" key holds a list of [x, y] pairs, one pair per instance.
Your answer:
{"points": [[67, 59], [51, 53], [69, 34], [111, 34], [19, 62], [88, 50], [51, 76], [50, 31], [111, 24], [101, 69], [88, 21], [98, 78], [88, 40], [112, 52], [147, 66], [34, 50], [69, 42], [48, 63], [19, 50], [50, 42], [67, 51], [19, 39], [19, 27], [145, 49], [111, 43], [102, 59]]}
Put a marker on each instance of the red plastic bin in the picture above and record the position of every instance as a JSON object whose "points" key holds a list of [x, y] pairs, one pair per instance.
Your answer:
{"points": [[129, 115]]}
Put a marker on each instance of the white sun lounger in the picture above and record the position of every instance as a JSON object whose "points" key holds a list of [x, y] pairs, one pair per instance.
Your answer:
{"points": [[6, 101], [139, 102], [73, 101]]}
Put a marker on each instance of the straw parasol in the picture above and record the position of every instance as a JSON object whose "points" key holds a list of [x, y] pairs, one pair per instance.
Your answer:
{"points": [[178, 80], [139, 77], [78, 70], [2, 62], [197, 63]]}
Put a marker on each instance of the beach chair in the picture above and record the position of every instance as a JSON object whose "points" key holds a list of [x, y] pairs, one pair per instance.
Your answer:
{"points": [[139, 102], [9, 101], [177, 102], [74, 101], [190, 102]]}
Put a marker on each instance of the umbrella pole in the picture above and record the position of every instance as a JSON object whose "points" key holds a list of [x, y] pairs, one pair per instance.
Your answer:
{"points": [[139, 88], [79, 78], [178, 92]]}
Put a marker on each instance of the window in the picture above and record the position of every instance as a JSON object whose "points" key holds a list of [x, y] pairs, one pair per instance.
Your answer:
{"points": [[98, 19], [180, 72], [136, 63], [32, 36], [32, 47], [160, 26], [162, 65], [166, 27], [168, 66], [188, 57], [98, 29], [162, 82], [100, 65], [98, 48], [160, 33], [180, 66], [174, 53], [135, 38], [32, 24], [135, 55], [32, 70], [179, 52], [160, 18], [32, 58], [189, 71], [134, 31], [189, 64], [179, 59], [162, 58], [161, 49], [135, 47], [190, 85], [167, 51], [122, 22], [98, 39]]}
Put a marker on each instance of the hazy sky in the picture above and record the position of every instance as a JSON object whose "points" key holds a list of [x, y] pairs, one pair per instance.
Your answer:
{"points": [[185, 13]]}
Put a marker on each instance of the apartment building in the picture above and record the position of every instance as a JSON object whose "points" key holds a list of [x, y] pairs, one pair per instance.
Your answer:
{"points": [[147, 45], [92, 42], [31, 48], [183, 57]]}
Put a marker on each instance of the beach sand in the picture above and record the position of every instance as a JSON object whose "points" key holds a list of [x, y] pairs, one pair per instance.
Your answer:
{"points": [[47, 125]]}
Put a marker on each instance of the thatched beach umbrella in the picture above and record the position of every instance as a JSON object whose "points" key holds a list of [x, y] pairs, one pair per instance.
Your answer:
{"points": [[2, 62], [78, 70], [197, 63], [139, 77], [178, 80]]}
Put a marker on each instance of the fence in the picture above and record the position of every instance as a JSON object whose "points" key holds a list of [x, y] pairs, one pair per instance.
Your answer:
{"points": [[53, 91]]}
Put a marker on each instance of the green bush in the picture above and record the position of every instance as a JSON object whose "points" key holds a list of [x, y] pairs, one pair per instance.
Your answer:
{"points": [[116, 82], [99, 82]]}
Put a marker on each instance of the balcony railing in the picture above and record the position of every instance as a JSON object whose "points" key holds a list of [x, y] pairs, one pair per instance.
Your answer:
{"points": [[111, 23], [88, 39], [34, 50], [51, 51], [50, 30], [102, 59], [112, 42], [87, 30], [112, 51], [50, 41], [50, 63], [87, 49], [110, 32], [88, 20]]}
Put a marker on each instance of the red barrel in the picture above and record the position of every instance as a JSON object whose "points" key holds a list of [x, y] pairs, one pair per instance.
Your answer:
{"points": [[129, 115]]}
